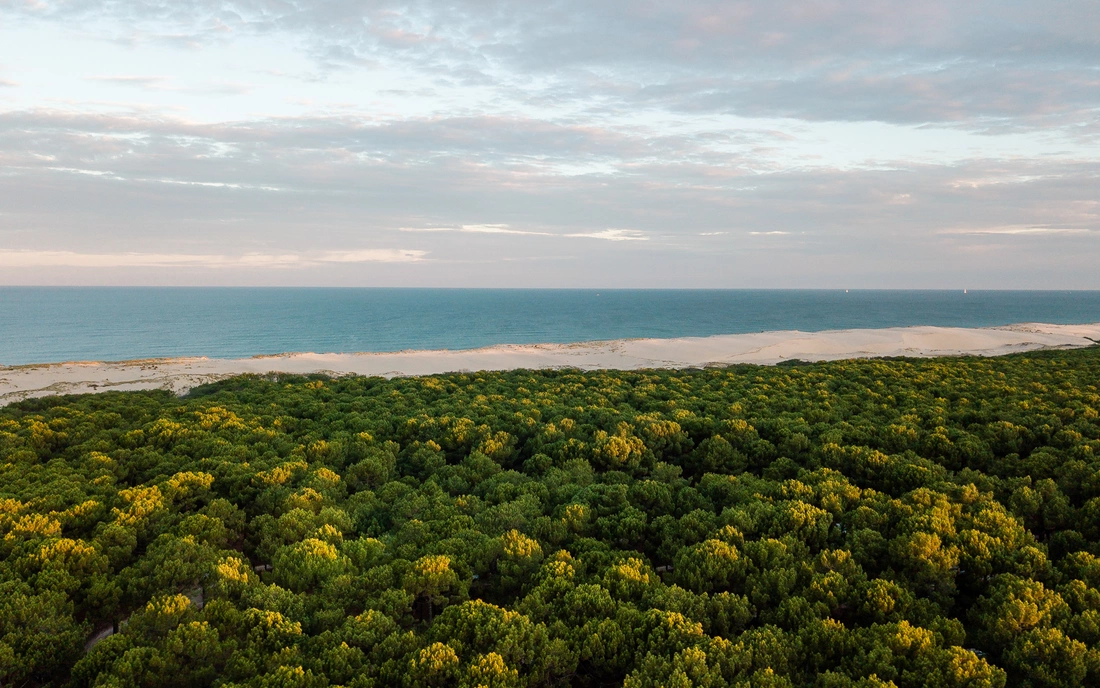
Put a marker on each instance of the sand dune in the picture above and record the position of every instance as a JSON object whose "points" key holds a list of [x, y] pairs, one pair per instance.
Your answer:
{"points": [[181, 374]]}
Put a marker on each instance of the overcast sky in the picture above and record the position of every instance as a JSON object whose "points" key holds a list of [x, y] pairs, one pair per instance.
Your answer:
{"points": [[551, 144]]}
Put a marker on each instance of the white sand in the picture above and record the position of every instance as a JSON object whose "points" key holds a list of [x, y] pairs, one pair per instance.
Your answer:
{"points": [[181, 374]]}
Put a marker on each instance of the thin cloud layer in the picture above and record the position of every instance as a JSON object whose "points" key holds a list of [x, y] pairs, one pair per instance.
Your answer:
{"points": [[612, 235], [702, 143], [606, 234], [1022, 61], [129, 79], [1021, 231], [377, 255], [53, 259]]}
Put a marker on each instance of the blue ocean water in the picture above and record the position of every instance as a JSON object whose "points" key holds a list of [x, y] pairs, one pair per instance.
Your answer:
{"points": [[50, 324]]}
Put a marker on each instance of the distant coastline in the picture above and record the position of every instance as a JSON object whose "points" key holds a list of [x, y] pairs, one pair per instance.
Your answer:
{"points": [[181, 374]]}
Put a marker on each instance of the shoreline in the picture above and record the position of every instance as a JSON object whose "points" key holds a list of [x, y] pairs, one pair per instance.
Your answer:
{"points": [[766, 348]]}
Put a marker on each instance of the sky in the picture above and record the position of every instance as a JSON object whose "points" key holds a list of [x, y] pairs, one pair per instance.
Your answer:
{"points": [[569, 143]]}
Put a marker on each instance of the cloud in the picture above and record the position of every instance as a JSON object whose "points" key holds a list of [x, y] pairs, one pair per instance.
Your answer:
{"points": [[499, 229], [477, 229], [54, 259], [4, 83], [977, 64], [1021, 231], [773, 233], [130, 80], [386, 255], [124, 186], [28, 258], [981, 64], [214, 88], [163, 83], [606, 234], [613, 235]]}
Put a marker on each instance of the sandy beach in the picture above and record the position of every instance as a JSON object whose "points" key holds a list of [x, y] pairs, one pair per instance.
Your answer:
{"points": [[181, 374]]}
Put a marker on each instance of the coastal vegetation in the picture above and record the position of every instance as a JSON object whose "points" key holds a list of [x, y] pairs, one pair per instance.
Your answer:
{"points": [[863, 523]]}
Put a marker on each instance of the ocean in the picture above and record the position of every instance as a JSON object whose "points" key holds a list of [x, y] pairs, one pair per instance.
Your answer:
{"points": [[52, 324]]}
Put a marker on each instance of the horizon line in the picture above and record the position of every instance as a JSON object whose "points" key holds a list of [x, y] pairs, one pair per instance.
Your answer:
{"points": [[541, 288]]}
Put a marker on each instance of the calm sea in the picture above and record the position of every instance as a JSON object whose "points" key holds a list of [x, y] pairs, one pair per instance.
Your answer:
{"points": [[49, 324]]}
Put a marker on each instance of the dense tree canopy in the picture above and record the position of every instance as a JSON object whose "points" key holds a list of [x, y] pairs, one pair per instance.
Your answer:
{"points": [[858, 523]]}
